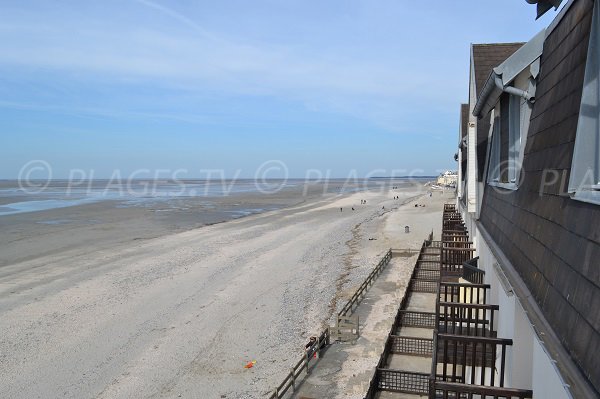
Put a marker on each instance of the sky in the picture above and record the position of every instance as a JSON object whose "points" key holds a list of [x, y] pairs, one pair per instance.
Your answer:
{"points": [[323, 87]]}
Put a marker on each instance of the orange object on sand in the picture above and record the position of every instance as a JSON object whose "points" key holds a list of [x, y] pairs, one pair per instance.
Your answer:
{"points": [[249, 365]]}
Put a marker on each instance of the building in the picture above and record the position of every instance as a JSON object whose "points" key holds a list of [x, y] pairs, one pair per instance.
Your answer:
{"points": [[448, 179], [529, 194]]}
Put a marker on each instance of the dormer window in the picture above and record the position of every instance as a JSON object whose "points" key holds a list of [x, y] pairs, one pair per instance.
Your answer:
{"points": [[584, 181], [505, 153]]}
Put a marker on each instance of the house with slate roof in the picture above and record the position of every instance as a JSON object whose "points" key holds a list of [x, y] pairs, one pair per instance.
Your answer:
{"points": [[529, 194]]}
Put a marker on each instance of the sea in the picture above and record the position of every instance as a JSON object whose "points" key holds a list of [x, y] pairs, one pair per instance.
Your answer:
{"points": [[16, 197]]}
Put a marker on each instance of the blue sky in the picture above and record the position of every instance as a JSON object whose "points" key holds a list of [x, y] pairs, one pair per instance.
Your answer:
{"points": [[196, 85]]}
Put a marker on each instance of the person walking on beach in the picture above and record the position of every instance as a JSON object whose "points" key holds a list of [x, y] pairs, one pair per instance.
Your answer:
{"points": [[341, 209]]}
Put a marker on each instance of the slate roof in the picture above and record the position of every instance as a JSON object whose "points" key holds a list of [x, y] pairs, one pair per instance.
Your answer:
{"points": [[490, 55]]}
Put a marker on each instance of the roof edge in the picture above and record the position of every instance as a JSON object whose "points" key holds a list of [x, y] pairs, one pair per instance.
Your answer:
{"points": [[511, 67]]}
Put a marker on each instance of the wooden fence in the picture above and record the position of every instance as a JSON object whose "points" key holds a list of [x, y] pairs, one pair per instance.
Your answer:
{"points": [[360, 292], [303, 365], [346, 327]]}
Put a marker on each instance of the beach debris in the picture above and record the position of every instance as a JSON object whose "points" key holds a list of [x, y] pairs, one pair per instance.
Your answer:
{"points": [[406, 229], [372, 239], [249, 365]]}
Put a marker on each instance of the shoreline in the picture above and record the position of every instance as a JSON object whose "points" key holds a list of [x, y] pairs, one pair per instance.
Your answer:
{"points": [[110, 222]]}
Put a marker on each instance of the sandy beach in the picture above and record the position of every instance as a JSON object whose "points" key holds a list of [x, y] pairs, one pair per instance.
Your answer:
{"points": [[180, 314]]}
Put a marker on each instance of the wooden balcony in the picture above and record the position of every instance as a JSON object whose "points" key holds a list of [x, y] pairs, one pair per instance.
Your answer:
{"points": [[468, 319], [459, 354], [454, 390], [465, 293]]}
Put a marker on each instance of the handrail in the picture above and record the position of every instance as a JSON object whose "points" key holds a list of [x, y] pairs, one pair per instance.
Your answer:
{"points": [[459, 249], [471, 272], [496, 392], [465, 285], [468, 338], [348, 307], [469, 305], [302, 364], [324, 338]]}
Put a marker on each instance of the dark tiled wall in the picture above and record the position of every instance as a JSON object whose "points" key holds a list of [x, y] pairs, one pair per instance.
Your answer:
{"points": [[554, 241]]}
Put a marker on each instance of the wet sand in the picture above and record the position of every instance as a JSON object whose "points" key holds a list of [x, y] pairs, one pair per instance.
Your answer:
{"points": [[119, 304]]}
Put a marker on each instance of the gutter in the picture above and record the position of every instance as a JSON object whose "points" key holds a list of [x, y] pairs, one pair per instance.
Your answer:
{"points": [[527, 56], [494, 82]]}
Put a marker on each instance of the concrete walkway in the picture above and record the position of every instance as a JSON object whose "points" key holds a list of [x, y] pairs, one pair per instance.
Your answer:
{"points": [[345, 369]]}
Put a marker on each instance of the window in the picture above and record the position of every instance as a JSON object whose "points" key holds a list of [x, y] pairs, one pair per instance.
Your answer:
{"points": [[505, 152], [584, 181]]}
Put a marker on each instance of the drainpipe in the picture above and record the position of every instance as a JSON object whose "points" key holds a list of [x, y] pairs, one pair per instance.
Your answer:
{"points": [[513, 90], [496, 82]]}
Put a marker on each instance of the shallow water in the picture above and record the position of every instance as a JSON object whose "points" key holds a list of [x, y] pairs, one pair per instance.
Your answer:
{"points": [[167, 195]]}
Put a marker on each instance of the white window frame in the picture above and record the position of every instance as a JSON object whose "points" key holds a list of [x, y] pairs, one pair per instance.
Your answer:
{"points": [[514, 137], [584, 180], [493, 170]]}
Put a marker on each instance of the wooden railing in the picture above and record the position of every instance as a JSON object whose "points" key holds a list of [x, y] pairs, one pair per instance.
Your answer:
{"points": [[472, 273], [467, 319], [434, 244], [466, 347], [404, 251], [303, 365], [454, 390], [453, 237], [459, 354], [411, 382], [466, 293], [358, 295], [396, 380], [453, 255]]}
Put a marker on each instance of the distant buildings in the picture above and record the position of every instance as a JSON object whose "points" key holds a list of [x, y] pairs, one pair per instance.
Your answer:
{"points": [[529, 193], [448, 179]]}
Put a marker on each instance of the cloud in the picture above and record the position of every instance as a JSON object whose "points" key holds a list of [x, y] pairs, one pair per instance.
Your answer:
{"points": [[190, 58]]}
